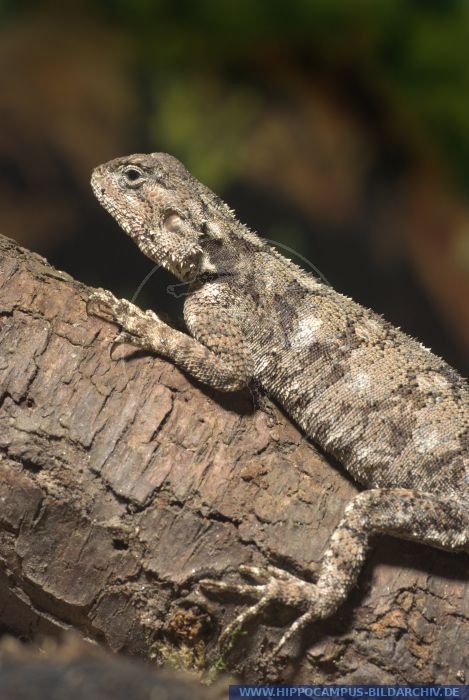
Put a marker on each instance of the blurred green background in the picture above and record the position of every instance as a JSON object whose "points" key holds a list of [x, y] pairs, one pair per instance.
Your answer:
{"points": [[339, 129]]}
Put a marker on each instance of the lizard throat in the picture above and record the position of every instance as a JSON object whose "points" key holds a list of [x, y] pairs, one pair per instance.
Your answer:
{"points": [[181, 261]]}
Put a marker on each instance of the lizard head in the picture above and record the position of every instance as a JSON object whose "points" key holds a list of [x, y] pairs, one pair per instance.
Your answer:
{"points": [[173, 218]]}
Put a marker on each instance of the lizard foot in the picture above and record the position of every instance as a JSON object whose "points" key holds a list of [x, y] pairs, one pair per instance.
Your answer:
{"points": [[272, 585], [105, 305], [139, 328]]}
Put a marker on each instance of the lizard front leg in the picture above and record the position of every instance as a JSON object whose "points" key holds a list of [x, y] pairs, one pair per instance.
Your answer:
{"points": [[221, 362], [402, 513]]}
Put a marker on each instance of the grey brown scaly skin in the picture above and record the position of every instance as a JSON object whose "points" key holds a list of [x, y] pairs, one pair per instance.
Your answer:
{"points": [[395, 415]]}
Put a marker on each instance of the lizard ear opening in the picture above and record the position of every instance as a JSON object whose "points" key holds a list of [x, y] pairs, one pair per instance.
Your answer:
{"points": [[173, 222]]}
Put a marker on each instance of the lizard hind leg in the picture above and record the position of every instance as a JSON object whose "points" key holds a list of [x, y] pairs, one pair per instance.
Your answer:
{"points": [[403, 513]]}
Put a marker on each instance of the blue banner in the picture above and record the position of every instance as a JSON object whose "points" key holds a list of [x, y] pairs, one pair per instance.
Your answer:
{"points": [[461, 692]]}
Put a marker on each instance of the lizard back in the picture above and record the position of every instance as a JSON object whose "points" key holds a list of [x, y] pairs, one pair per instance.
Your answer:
{"points": [[392, 412]]}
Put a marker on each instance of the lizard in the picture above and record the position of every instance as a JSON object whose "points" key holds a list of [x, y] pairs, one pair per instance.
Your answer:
{"points": [[395, 415]]}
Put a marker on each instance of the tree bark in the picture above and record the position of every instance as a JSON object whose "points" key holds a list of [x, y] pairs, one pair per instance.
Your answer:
{"points": [[124, 482]]}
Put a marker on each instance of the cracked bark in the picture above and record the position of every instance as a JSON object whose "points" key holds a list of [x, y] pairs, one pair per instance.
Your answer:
{"points": [[122, 483]]}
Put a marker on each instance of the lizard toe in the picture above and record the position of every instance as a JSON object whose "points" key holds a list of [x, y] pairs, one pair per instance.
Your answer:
{"points": [[101, 304], [226, 637], [236, 588], [254, 572], [124, 338], [299, 624]]}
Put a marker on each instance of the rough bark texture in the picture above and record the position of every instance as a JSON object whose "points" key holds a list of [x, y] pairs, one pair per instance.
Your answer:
{"points": [[122, 483]]}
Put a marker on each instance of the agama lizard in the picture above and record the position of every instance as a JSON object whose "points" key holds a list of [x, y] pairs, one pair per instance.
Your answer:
{"points": [[395, 415]]}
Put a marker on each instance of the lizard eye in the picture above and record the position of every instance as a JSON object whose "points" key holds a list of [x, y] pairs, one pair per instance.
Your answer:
{"points": [[133, 176]]}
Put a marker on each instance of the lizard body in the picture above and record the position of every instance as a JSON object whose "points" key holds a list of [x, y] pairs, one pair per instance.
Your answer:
{"points": [[395, 415]]}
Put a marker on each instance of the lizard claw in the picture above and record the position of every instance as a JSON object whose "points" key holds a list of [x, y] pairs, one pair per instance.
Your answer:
{"points": [[273, 585], [142, 329], [98, 304], [296, 627], [256, 573], [226, 637], [252, 591], [105, 305], [124, 338]]}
